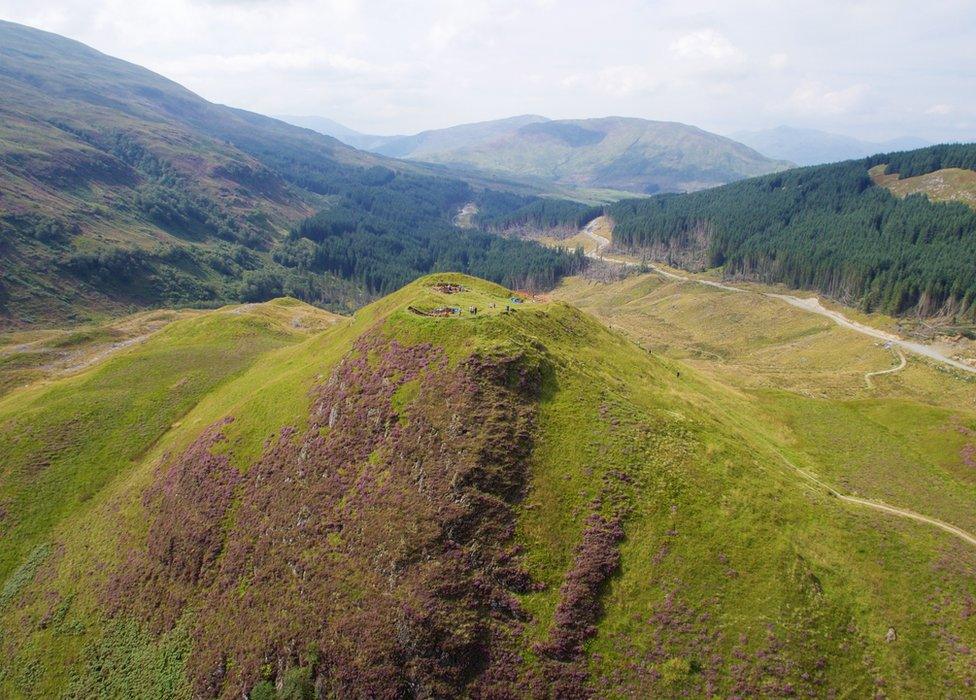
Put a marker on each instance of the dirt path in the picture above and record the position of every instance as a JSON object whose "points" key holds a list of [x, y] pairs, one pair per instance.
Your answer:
{"points": [[105, 353], [883, 507], [602, 242], [61, 363], [891, 370], [811, 304]]}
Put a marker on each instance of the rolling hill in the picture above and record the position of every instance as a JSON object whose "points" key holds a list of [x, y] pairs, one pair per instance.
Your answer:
{"points": [[941, 185], [815, 147], [416, 145], [508, 503], [615, 153], [120, 189]]}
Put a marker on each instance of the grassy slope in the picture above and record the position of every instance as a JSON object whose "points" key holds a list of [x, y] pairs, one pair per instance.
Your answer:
{"points": [[902, 440], [64, 439], [801, 387], [65, 105], [945, 185], [729, 557], [32, 355], [97, 154]]}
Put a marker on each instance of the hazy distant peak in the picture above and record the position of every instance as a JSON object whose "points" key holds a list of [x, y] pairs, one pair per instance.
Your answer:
{"points": [[806, 146]]}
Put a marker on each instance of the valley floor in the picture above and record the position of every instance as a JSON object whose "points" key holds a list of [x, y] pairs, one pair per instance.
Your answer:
{"points": [[597, 233]]}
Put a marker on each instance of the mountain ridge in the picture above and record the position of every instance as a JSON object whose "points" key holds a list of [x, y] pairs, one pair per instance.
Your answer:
{"points": [[330, 127], [815, 147], [840, 229], [639, 155], [120, 189]]}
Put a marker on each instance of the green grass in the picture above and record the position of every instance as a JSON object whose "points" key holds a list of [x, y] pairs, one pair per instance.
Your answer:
{"points": [[27, 357], [62, 442], [945, 185], [728, 554], [789, 384]]}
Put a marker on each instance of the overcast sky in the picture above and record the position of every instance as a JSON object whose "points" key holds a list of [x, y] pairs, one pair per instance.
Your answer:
{"points": [[875, 69]]}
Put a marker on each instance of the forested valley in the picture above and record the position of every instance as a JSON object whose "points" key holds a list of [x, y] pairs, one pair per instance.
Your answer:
{"points": [[830, 229]]}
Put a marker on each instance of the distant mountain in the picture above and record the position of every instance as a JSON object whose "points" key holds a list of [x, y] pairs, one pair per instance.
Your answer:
{"points": [[330, 127], [632, 155], [815, 147], [429, 145]]}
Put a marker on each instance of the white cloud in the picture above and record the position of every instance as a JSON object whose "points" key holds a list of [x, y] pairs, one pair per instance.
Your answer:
{"points": [[939, 110], [392, 66], [297, 60], [706, 45], [813, 98], [618, 81], [442, 33]]}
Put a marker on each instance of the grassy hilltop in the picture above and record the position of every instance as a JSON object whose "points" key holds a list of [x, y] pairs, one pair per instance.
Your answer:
{"points": [[505, 503]]}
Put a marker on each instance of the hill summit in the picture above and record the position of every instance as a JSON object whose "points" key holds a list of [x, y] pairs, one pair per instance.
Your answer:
{"points": [[458, 491]]}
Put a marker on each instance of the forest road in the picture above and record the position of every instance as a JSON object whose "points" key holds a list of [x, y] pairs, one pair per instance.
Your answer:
{"points": [[811, 304]]}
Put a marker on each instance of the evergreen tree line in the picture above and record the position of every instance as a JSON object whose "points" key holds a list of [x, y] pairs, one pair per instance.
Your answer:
{"points": [[383, 236], [927, 160], [383, 229], [535, 212], [830, 229]]}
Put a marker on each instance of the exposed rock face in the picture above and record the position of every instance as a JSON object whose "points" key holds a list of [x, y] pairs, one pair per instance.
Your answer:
{"points": [[383, 529]]}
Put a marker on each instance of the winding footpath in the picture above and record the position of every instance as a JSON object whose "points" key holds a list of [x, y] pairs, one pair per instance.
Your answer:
{"points": [[883, 507], [892, 370], [811, 304]]}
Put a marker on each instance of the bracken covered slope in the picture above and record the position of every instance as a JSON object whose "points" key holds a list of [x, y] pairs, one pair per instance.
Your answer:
{"points": [[122, 190], [503, 504], [99, 156]]}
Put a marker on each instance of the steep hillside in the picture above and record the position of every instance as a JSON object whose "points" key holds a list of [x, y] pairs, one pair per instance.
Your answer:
{"points": [[815, 147], [632, 155], [827, 228], [509, 503], [119, 190]]}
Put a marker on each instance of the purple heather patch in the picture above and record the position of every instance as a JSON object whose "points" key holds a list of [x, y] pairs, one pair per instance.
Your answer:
{"points": [[387, 541]]}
